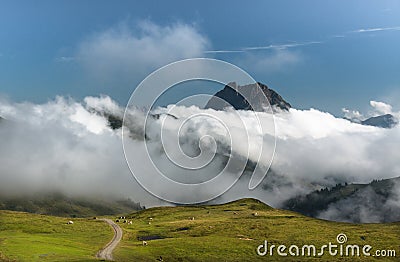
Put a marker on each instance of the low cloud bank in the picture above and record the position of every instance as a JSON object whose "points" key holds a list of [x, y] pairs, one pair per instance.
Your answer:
{"points": [[69, 146]]}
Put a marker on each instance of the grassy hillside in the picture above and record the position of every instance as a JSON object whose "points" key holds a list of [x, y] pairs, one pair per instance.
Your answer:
{"points": [[30, 237], [57, 204], [229, 232], [232, 232]]}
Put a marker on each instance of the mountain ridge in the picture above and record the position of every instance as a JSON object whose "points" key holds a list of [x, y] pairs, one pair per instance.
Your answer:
{"points": [[377, 196], [232, 95], [384, 121]]}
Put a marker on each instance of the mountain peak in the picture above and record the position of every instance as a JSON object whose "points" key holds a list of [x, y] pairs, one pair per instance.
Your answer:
{"points": [[233, 96], [384, 121]]}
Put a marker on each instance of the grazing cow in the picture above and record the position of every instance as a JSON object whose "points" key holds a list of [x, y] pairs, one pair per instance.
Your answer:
{"points": [[160, 259], [144, 243], [125, 221], [150, 218], [130, 223], [70, 222], [192, 218], [117, 220], [255, 214], [235, 213], [149, 223]]}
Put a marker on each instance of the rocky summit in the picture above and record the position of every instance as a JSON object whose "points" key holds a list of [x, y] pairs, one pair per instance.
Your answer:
{"points": [[384, 121], [233, 95]]}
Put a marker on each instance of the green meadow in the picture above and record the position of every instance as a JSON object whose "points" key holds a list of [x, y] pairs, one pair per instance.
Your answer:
{"points": [[31, 237], [229, 232], [233, 231]]}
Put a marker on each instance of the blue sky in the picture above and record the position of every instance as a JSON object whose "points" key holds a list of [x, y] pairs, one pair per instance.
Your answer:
{"points": [[322, 54]]}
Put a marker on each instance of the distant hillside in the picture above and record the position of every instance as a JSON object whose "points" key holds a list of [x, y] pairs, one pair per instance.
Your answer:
{"points": [[384, 121], [233, 231], [231, 96], [57, 204], [350, 202]]}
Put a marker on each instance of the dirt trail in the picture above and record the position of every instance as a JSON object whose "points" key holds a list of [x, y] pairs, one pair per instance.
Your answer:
{"points": [[106, 252]]}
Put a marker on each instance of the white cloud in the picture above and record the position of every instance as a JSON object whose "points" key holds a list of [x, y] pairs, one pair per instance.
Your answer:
{"points": [[66, 59], [282, 46], [130, 53], [222, 51], [267, 47], [276, 60], [376, 29], [67, 145], [381, 108], [62, 145], [353, 115]]}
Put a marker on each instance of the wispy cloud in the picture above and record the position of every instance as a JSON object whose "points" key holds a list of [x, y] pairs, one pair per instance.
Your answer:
{"points": [[267, 47], [66, 59], [124, 54], [282, 46], [376, 29], [277, 60], [222, 51]]}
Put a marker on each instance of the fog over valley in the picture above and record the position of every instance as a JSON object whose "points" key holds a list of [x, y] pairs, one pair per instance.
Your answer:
{"points": [[72, 147]]}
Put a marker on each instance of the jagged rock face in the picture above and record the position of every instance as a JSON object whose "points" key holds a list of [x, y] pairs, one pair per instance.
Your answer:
{"points": [[385, 121], [231, 96]]}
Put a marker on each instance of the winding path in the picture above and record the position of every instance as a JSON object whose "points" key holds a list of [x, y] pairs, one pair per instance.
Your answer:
{"points": [[106, 252]]}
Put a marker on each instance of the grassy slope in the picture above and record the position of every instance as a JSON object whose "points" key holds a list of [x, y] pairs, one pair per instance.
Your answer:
{"points": [[30, 237], [217, 234], [57, 204]]}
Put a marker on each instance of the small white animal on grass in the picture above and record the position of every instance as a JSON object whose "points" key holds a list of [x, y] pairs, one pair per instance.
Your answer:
{"points": [[144, 243], [70, 222]]}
